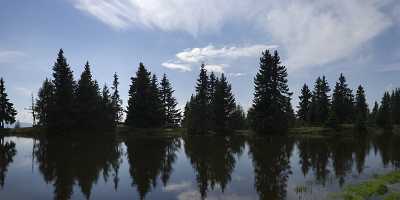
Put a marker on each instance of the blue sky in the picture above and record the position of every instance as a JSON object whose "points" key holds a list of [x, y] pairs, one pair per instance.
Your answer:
{"points": [[357, 37]]}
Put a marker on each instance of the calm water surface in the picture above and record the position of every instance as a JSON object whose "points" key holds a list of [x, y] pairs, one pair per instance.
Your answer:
{"points": [[189, 168]]}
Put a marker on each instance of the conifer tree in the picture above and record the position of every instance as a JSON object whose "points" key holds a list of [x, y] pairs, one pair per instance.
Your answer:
{"points": [[304, 105], [200, 108], [372, 118], [320, 101], [384, 118], [361, 108], [141, 111], [271, 103], [342, 101], [212, 84], [224, 104], [116, 101], [187, 114], [107, 112], [45, 102], [172, 115], [62, 115], [395, 104], [7, 110], [87, 100], [238, 119], [156, 103]]}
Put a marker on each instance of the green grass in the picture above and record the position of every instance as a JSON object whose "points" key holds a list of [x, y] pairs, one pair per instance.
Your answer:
{"points": [[377, 187]]}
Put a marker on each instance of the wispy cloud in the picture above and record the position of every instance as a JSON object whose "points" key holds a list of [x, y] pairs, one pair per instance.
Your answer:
{"points": [[311, 33], [210, 55], [7, 56], [177, 186], [177, 66]]}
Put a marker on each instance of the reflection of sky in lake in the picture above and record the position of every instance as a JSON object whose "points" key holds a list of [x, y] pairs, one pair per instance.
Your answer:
{"points": [[24, 179]]}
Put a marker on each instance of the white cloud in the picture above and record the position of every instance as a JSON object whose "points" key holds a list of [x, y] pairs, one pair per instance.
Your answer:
{"points": [[210, 55], [309, 32], [236, 74], [7, 56], [321, 32], [211, 52], [181, 67], [215, 68]]}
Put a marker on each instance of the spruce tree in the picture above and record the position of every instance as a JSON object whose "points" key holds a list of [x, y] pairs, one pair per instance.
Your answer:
{"points": [[384, 118], [238, 119], [395, 104], [141, 109], [271, 101], [361, 108], [372, 118], [107, 113], [320, 101], [172, 115], [304, 105], [87, 101], [212, 84], [224, 104], [7, 110], [187, 114], [62, 115], [156, 103], [116, 101], [200, 108], [342, 101], [45, 102]]}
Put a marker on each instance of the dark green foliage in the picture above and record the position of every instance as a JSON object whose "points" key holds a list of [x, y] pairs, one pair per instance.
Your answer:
{"points": [[44, 102], [144, 104], [187, 114], [223, 104], [62, 116], [116, 102], [361, 109], [395, 105], [200, 105], [384, 118], [107, 113], [303, 113], [171, 115], [320, 101], [372, 118], [332, 121], [87, 101], [271, 104], [7, 110], [238, 119], [342, 101]]}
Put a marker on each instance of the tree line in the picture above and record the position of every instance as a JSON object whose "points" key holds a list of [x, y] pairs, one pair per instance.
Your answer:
{"points": [[64, 103]]}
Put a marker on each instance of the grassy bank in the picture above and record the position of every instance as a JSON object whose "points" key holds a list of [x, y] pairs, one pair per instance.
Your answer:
{"points": [[386, 187]]}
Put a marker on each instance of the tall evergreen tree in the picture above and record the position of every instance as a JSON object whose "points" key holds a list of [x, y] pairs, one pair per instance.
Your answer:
{"points": [[141, 111], [87, 100], [107, 113], [200, 108], [361, 108], [7, 110], [224, 104], [172, 115], [372, 118], [304, 105], [116, 101], [384, 118], [342, 101], [212, 85], [238, 119], [187, 114], [395, 104], [156, 103], [44, 103], [320, 101], [62, 114], [271, 101]]}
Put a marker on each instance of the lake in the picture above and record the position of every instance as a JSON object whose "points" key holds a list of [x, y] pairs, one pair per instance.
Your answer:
{"points": [[195, 167]]}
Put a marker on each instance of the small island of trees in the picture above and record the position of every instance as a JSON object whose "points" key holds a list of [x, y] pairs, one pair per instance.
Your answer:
{"points": [[64, 104]]}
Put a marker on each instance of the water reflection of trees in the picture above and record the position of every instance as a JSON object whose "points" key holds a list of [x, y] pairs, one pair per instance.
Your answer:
{"points": [[150, 158], [342, 153], [271, 165], [7, 153], [388, 146], [213, 159], [66, 161]]}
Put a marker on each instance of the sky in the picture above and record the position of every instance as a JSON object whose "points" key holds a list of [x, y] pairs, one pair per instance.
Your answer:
{"points": [[359, 38]]}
